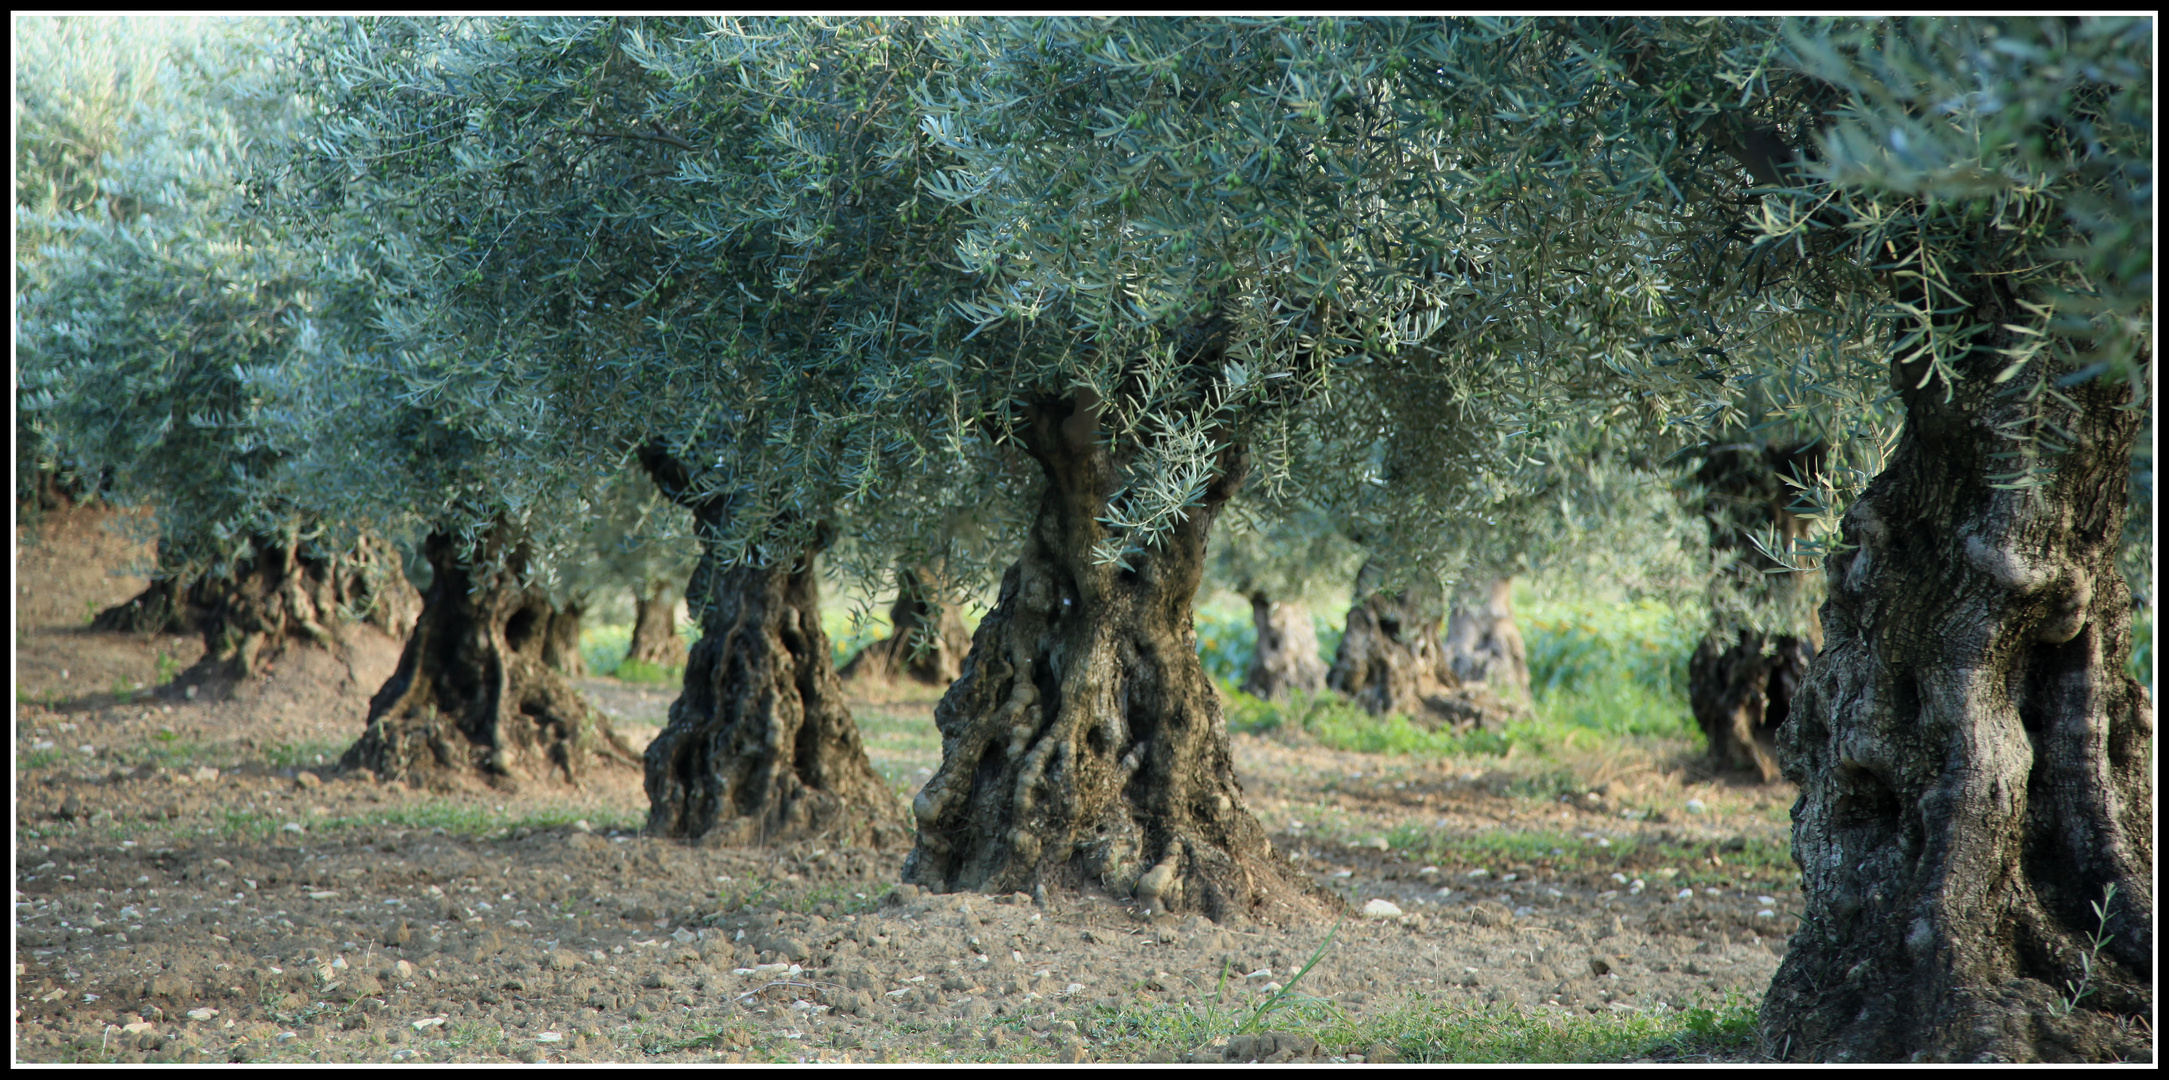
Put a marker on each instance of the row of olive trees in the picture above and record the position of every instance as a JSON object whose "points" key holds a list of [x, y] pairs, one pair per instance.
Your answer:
{"points": [[1061, 289]]}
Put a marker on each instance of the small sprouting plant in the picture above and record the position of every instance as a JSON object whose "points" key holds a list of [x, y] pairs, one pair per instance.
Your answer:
{"points": [[2096, 941], [168, 667], [1285, 996]]}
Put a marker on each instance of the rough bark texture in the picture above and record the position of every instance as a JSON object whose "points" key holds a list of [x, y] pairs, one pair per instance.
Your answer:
{"points": [[561, 640], [760, 747], [1740, 683], [1083, 746], [1973, 759], [1286, 657], [281, 596], [161, 608], [1741, 694], [1484, 646], [926, 641], [472, 696], [655, 626]]}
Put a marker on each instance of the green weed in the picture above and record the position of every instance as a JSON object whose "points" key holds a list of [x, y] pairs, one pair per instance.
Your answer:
{"points": [[248, 825], [477, 820], [708, 1035], [2096, 942], [1435, 1032], [640, 671], [1742, 859], [1340, 724], [303, 755], [168, 667], [604, 647]]}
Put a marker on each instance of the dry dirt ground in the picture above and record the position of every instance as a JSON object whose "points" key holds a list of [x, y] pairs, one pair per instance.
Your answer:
{"points": [[194, 884]]}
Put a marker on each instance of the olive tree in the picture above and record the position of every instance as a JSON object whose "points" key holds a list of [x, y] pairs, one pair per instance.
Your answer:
{"points": [[1263, 262], [1976, 809], [159, 316]]}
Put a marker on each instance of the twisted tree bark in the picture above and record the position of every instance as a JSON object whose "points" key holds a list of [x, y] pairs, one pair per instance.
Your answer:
{"points": [[283, 595], [1286, 657], [1083, 745], [561, 639], [655, 626], [1740, 682], [1973, 759], [760, 747], [472, 696], [1483, 644], [926, 641]]}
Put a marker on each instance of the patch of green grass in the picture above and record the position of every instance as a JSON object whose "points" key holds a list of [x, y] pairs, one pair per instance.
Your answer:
{"points": [[477, 820], [166, 750], [1577, 645], [168, 667], [1622, 708], [1436, 1032], [1743, 859], [604, 647], [39, 759], [703, 1035], [844, 639], [640, 671], [1340, 724], [247, 825], [304, 755]]}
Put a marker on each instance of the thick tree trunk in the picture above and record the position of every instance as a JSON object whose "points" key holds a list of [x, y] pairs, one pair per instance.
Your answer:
{"points": [[926, 641], [561, 639], [1287, 654], [161, 608], [1740, 683], [1083, 745], [1741, 693], [760, 748], [1973, 759], [1484, 646], [655, 626], [1391, 657], [472, 696], [281, 596]]}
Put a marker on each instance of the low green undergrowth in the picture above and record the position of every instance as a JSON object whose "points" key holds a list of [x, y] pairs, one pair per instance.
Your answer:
{"points": [[1737, 861], [1340, 724], [1437, 1032]]}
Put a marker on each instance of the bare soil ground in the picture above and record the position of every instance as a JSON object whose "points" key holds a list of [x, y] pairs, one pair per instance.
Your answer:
{"points": [[194, 884]]}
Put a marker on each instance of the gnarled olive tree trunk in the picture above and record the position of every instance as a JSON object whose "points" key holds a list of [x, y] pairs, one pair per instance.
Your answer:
{"points": [[1286, 657], [1973, 759], [760, 748], [1482, 643], [282, 595], [655, 626], [1741, 694], [1740, 682], [1083, 745], [1391, 657], [561, 639], [926, 641], [162, 607], [472, 696]]}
